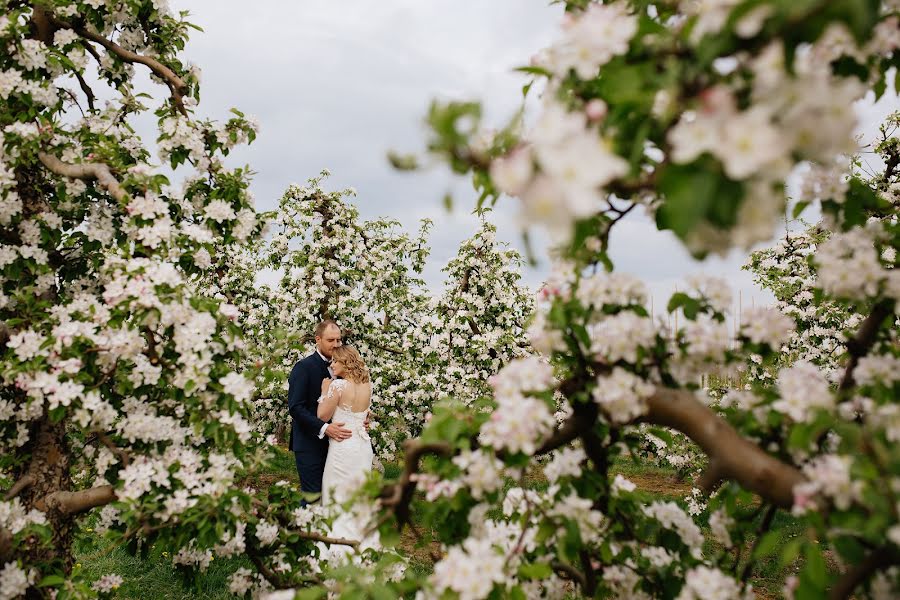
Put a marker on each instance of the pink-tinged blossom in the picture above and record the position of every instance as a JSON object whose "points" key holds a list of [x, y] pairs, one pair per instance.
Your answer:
{"points": [[827, 476], [266, 533], [874, 369], [611, 289], [482, 472], [27, 344], [621, 484], [671, 516], [470, 569], [592, 39], [238, 386], [566, 463], [715, 290], [618, 337], [622, 395], [849, 265], [708, 583], [511, 173], [803, 389], [707, 338]]}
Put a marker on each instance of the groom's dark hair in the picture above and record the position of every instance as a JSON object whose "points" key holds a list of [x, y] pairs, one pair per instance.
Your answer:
{"points": [[322, 326]]}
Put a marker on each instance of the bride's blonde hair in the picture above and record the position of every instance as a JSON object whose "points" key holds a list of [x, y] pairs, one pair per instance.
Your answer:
{"points": [[357, 372]]}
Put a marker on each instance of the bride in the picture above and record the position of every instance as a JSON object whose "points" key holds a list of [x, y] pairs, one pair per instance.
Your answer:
{"points": [[346, 401]]}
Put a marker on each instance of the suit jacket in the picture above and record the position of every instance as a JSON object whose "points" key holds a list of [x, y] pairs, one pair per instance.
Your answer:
{"points": [[304, 389]]}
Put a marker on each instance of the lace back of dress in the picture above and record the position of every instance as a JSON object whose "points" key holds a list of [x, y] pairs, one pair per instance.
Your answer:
{"points": [[347, 400]]}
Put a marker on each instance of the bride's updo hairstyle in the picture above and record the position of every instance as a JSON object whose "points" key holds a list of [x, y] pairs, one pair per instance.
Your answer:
{"points": [[357, 372]]}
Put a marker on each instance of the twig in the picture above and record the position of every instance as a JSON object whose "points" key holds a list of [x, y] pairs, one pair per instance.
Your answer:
{"points": [[23, 483], [88, 92]]}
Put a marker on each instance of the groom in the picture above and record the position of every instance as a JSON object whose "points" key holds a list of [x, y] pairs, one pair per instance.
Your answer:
{"points": [[308, 432]]}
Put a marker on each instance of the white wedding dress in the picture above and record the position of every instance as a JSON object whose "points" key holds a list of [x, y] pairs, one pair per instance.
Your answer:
{"points": [[346, 467]]}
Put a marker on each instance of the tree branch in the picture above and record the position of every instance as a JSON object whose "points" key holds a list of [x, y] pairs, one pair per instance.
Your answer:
{"points": [[736, 457], [98, 172], [88, 92], [176, 84], [865, 337], [399, 495], [24, 482], [879, 559], [73, 503], [570, 572], [569, 431], [121, 454], [711, 478], [318, 537]]}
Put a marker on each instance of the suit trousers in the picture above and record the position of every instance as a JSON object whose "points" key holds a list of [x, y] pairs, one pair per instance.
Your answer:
{"points": [[310, 468]]}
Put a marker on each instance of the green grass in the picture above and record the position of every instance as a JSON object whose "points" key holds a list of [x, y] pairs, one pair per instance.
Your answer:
{"points": [[154, 578]]}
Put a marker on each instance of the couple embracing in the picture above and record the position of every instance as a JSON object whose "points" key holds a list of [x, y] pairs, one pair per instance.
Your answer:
{"points": [[329, 393]]}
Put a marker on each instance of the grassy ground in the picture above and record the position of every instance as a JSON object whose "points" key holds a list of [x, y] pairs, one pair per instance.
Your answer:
{"points": [[154, 577]]}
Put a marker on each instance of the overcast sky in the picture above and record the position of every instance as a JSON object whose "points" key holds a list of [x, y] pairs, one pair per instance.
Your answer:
{"points": [[337, 83]]}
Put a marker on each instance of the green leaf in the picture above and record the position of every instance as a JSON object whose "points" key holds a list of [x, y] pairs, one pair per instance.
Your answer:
{"points": [[688, 305], [790, 552], [815, 567], [51, 581], [535, 571], [534, 71], [799, 208], [767, 544], [694, 193]]}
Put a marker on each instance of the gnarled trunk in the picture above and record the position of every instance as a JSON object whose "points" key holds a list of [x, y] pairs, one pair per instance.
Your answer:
{"points": [[48, 470]]}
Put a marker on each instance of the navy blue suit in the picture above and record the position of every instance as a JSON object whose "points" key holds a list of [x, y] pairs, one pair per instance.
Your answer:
{"points": [[304, 389]]}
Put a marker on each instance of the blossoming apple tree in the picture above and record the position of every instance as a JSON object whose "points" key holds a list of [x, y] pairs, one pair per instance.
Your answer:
{"points": [[696, 113], [119, 390], [479, 322]]}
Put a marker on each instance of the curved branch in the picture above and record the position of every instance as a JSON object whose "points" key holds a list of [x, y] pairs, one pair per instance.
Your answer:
{"points": [[865, 337], [570, 572], [98, 172], [879, 559], [18, 486], [735, 457], [73, 503], [399, 496], [176, 84]]}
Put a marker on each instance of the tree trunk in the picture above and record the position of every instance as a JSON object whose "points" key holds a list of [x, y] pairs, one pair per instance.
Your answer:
{"points": [[49, 470]]}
